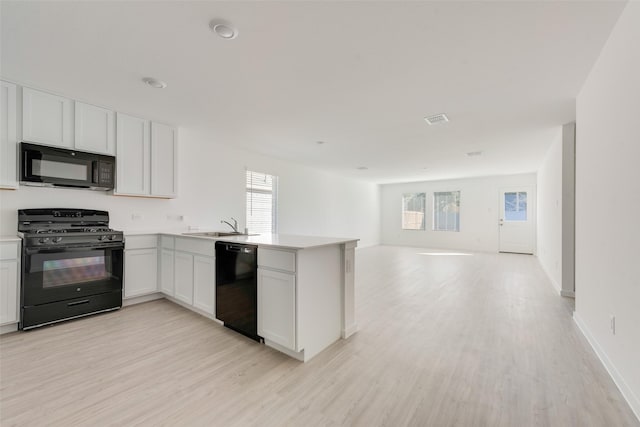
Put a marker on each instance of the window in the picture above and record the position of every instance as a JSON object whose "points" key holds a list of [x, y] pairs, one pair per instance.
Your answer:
{"points": [[515, 206], [262, 202], [413, 211], [446, 211]]}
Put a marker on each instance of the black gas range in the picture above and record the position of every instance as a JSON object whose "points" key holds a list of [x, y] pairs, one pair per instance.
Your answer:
{"points": [[72, 265]]}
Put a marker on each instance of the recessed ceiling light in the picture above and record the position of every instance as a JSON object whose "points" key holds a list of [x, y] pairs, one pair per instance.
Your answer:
{"points": [[362, 168], [474, 153], [436, 119], [154, 83], [223, 29]]}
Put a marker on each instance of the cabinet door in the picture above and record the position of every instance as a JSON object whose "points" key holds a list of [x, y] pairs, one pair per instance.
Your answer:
{"points": [[164, 150], [183, 265], [277, 307], [166, 278], [46, 118], [140, 272], [95, 129], [8, 137], [204, 283], [133, 162], [8, 291]]}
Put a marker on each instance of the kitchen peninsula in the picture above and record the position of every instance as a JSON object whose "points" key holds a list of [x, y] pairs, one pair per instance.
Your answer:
{"points": [[305, 284]]}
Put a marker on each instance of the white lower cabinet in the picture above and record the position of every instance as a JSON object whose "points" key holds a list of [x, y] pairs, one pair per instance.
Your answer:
{"points": [[204, 283], [9, 282], [140, 265], [183, 268], [277, 307], [140, 272], [166, 280]]}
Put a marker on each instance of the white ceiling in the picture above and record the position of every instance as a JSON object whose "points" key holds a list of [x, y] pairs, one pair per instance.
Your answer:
{"points": [[359, 75]]}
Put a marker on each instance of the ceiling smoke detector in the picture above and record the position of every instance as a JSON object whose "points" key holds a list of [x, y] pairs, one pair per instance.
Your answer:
{"points": [[438, 118], [474, 153], [223, 29]]}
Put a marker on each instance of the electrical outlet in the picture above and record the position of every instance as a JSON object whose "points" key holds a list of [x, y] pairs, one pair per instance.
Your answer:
{"points": [[136, 216], [612, 320]]}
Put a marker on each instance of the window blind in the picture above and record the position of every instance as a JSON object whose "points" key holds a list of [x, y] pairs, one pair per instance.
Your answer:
{"points": [[261, 202], [446, 211]]}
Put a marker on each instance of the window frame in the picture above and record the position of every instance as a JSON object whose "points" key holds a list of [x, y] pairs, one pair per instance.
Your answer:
{"points": [[274, 199], [424, 211]]}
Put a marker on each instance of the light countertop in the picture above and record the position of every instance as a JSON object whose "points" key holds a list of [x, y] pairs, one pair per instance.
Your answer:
{"points": [[10, 239], [275, 240]]}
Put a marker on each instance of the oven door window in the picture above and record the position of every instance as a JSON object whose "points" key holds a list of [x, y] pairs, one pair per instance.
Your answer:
{"points": [[63, 272]]}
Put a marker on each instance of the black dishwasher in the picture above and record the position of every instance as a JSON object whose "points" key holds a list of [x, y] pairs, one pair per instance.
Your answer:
{"points": [[236, 287]]}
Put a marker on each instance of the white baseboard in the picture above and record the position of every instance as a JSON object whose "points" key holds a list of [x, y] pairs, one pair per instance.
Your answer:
{"points": [[626, 391], [11, 327], [555, 285], [296, 355], [349, 330], [144, 298]]}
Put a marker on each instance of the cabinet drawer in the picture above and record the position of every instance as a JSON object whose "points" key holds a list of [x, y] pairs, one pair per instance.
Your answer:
{"points": [[195, 245], [141, 242], [9, 250], [277, 259], [167, 242]]}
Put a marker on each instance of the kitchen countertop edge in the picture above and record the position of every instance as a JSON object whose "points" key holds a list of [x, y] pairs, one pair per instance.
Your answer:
{"points": [[266, 240]]}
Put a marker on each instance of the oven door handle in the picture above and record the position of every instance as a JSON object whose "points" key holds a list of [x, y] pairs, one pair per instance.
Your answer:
{"points": [[60, 249]]}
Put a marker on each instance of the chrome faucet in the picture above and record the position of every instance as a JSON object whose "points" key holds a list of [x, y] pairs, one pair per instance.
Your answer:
{"points": [[234, 226]]}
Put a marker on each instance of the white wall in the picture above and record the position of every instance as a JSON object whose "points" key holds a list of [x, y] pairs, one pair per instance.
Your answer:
{"points": [[479, 212], [608, 204], [211, 184], [549, 229]]}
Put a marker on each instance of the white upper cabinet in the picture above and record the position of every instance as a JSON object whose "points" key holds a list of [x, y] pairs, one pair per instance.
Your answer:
{"points": [[164, 150], [46, 118], [133, 159], [8, 136], [95, 129]]}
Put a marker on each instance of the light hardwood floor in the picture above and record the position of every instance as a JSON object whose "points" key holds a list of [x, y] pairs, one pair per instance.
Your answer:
{"points": [[453, 340]]}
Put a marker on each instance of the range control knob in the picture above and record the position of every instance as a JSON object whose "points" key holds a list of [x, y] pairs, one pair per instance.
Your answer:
{"points": [[111, 237], [44, 240], [57, 239], [101, 238]]}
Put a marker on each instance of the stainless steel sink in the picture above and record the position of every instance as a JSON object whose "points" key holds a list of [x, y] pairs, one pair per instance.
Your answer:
{"points": [[214, 234]]}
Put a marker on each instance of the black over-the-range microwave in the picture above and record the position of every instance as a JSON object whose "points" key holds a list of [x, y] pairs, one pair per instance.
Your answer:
{"points": [[42, 165]]}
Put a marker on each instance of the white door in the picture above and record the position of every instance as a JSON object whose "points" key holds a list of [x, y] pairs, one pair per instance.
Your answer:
{"points": [[8, 291], [133, 159], [204, 283], [140, 272], [164, 149], [516, 220], [95, 129], [183, 270], [47, 118], [277, 307], [166, 278]]}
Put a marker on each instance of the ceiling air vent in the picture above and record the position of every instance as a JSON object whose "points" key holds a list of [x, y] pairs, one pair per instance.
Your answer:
{"points": [[438, 118]]}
